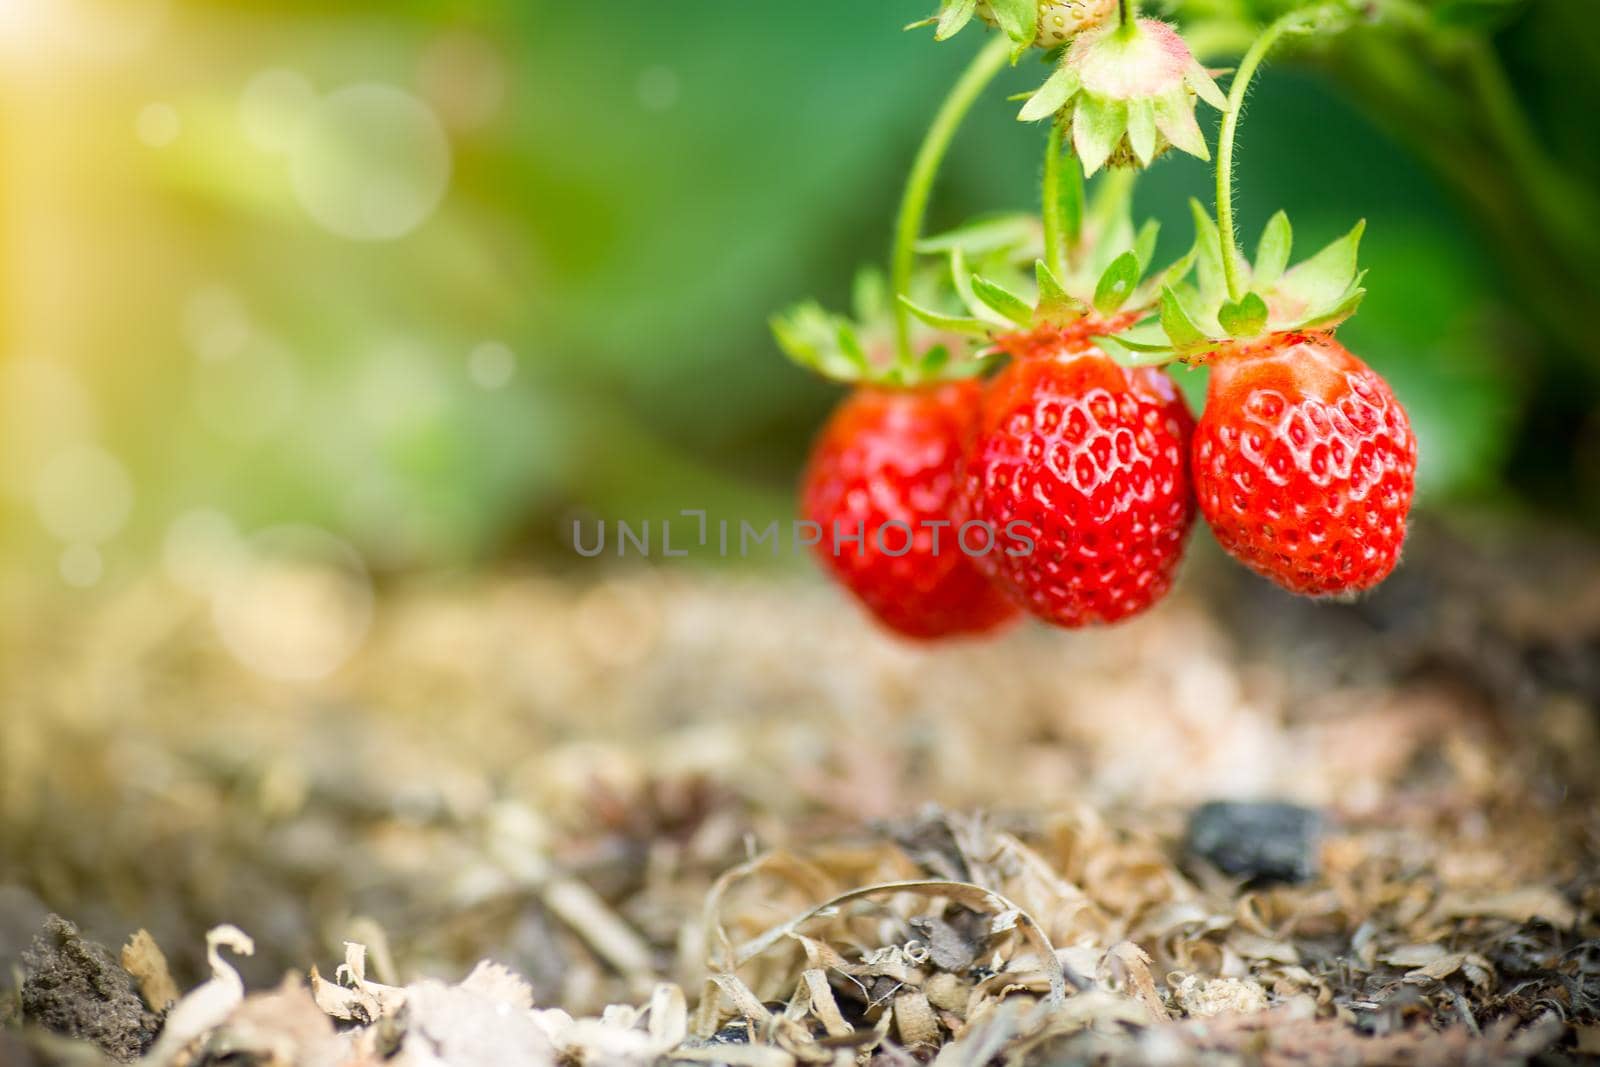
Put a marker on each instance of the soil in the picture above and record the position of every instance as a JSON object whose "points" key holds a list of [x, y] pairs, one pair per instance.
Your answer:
{"points": [[1243, 829], [77, 989]]}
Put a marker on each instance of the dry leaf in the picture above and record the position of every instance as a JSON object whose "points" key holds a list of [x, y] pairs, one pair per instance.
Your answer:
{"points": [[1519, 905], [1130, 964], [143, 958]]}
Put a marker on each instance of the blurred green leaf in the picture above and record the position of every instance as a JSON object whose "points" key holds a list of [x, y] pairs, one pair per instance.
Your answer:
{"points": [[1477, 14]]}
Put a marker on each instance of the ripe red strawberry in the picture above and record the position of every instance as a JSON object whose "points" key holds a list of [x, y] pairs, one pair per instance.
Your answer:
{"points": [[1305, 464], [1090, 459], [885, 467]]}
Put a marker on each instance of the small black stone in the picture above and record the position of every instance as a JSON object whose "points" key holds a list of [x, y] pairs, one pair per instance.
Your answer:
{"points": [[1257, 841]]}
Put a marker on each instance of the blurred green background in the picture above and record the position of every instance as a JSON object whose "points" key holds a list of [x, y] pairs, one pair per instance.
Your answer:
{"points": [[435, 276]]}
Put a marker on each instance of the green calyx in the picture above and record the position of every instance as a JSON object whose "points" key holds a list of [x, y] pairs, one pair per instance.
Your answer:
{"points": [[1200, 316], [860, 348], [1127, 92], [1001, 270]]}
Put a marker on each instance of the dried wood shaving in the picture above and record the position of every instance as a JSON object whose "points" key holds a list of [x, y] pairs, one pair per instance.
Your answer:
{"points": [[143, 958]]}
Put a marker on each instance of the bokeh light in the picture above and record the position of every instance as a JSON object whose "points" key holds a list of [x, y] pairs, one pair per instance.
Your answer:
{"points": [[492, 364], [463, 75], [158, 124], [43, 408], [372, 163], [245, 397], [84, 495], [201, 548], [81, 565], [293, 604], [274, 108]]}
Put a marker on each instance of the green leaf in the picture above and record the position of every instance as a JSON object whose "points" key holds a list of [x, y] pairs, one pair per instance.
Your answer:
{"points": [[816, 340], [1144, 246], [1052, 96], [1097, 125], [1338, 312], [933, 361], [1247, 318], [795, 344], [1176, 322], [1056, 305], [954, 18], [1171, 275], [1145, 337], [1174, 115], [961, 279], [1117, 283], [1002, 300], [850, 345], [1142, 129], [1272, 254], [1018, 20], [1199, 79], [1325, 277], [1130, 354], [940, 321], [1481, 15], [984, 235], [869, 296]]}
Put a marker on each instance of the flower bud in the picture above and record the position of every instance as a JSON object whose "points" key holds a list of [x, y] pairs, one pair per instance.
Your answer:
{"points": [[1129, 93]]}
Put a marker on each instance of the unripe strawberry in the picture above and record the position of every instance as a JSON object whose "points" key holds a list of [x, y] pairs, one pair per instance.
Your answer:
{"points": [[1060, 20], [1305, 464], [882, 486]]}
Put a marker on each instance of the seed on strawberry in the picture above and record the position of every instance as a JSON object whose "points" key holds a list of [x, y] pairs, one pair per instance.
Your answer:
{"points": [[1090, 459], [881, 485], [1305, 463]]}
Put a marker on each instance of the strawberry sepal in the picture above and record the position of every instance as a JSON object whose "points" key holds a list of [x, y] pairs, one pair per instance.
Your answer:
{"points": [[1197, 318], [1105, 283], [860, 349], [1127, 94]]}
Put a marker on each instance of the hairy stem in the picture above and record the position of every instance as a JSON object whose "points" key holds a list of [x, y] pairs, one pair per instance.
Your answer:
{"points": [[1230, 125], [1055, 225], [1127, 11], [919, 183]]}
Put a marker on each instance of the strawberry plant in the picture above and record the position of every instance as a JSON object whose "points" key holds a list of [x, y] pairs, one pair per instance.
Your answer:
{"points": [[1020, 387]]}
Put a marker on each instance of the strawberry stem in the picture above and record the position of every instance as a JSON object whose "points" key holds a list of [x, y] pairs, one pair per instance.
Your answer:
{"points": [[1055, 225], [919, 183], [1230, 124]]}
